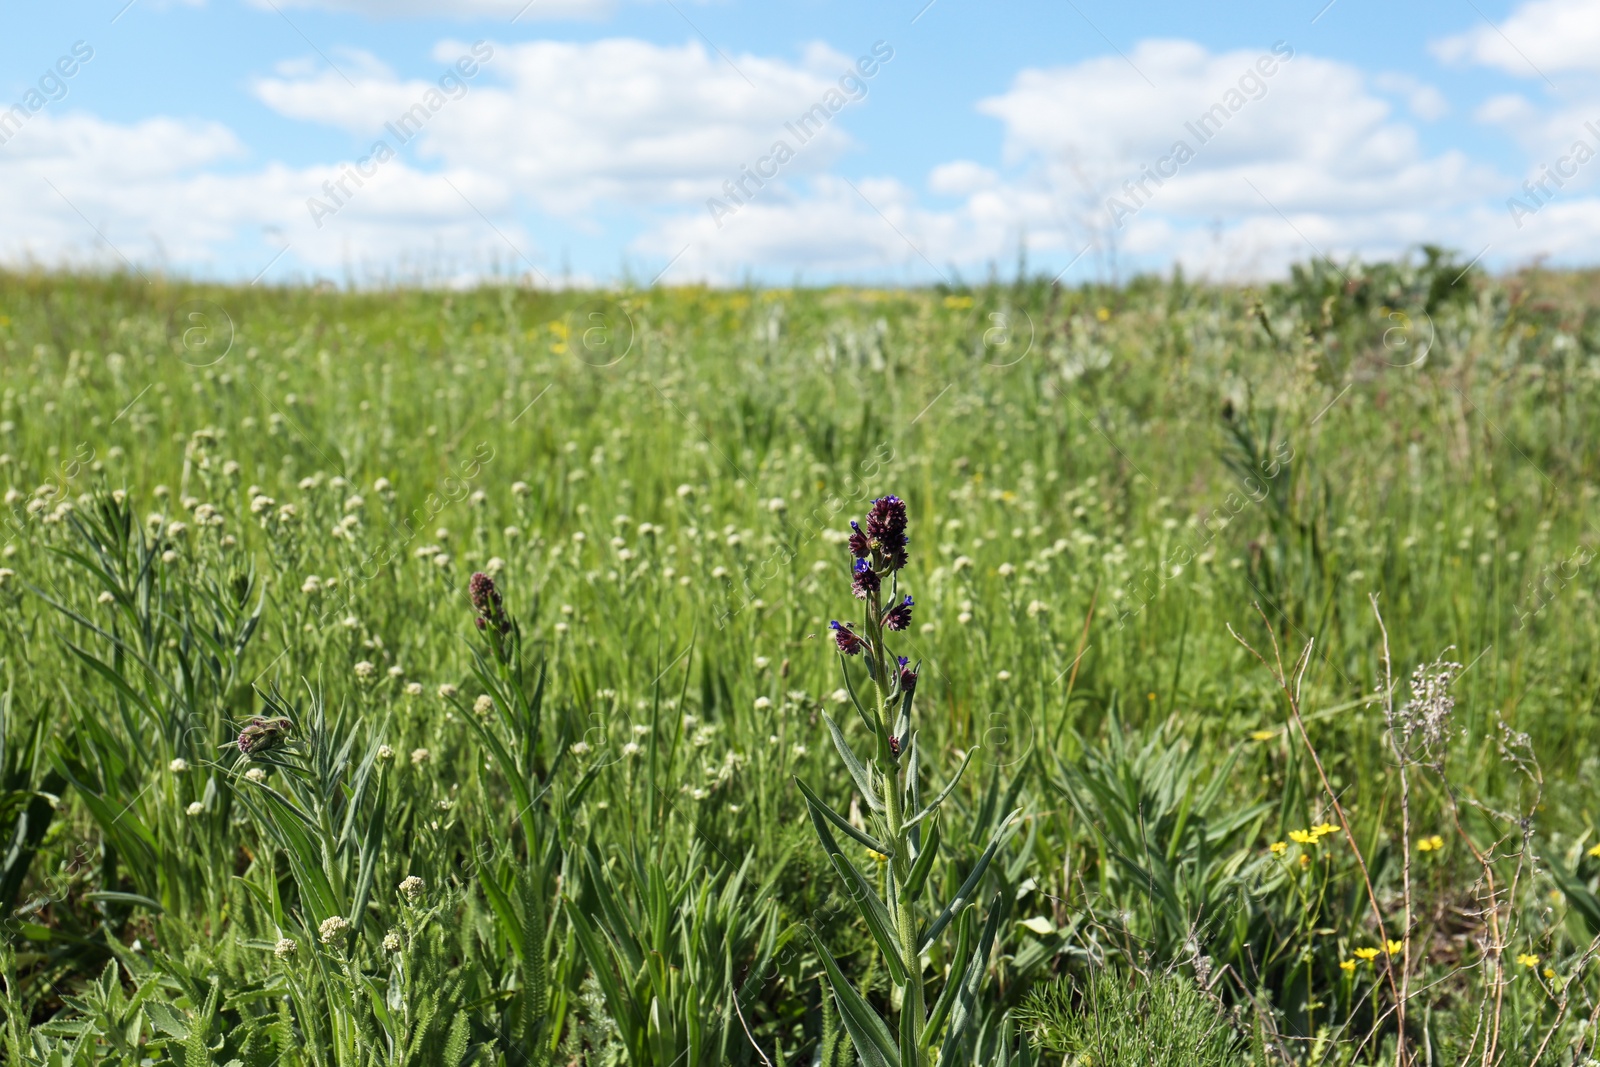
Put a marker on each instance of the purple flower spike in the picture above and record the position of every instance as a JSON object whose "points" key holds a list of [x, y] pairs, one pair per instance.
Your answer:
{"points": [[847, 639], [899, 616]]}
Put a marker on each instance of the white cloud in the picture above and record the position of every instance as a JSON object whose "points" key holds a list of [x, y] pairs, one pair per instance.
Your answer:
{"points": [[521, 10], [574, 125], [1424, 101], [1537, 39]]}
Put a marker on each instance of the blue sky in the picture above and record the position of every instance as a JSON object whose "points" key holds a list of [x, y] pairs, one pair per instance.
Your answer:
{"points": [[595, 140]]}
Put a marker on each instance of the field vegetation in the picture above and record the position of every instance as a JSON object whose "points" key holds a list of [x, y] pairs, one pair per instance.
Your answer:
{"points": [[495, 676]]}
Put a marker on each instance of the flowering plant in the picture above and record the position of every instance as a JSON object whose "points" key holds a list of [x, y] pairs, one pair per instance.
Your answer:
{"points": [[904, 829]]}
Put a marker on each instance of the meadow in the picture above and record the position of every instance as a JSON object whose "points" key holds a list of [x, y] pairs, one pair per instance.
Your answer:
{"points": [[426, 677]]}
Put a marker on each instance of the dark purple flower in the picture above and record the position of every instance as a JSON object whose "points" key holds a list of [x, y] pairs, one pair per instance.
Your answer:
{"points": [[261, 734], [899, 616], [860, 546], [894, 746], [886, 527], [908, 677], [866, 580], [486, 602], [848, 640]]}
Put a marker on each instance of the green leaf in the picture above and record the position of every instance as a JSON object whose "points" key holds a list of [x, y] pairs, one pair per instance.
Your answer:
{"points": [[1001, 834], [866, 898], [919, 870], [844, 824], [874, 1042], [934, 804], [857, 769], [962, 1014]]}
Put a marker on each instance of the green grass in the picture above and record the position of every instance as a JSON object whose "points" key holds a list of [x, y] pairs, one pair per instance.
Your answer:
{"points": [[273, 509]]}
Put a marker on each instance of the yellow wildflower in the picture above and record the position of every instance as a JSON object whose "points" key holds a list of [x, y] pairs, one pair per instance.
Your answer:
{"points": [[1347, 965], [1369, 954], [1324, 829], [1528, 959], [1305, 860], [1278, 848], [1549, 972], [1302, 837], [1395, 946], [879, 856], [1103, 314], [1430, 844], [1595, 851], [1263, 735]]}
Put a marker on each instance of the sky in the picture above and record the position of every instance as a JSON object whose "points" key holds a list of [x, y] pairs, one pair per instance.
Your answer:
{"points": [[605, 142]]}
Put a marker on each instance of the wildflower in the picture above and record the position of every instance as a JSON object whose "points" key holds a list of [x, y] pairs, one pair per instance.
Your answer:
{"points": [[631, 749], [446, 690], [1324, 829], [178, 765], [1528, 959], [960, 564], [486, 601], [845, 636], [908, 677], [483, 705], [719, 572], [1393, 947], [397, 671], [886, 529], [1003, 676], [860, 547], [1430, 844], [311, 585], [840, 696], [285, 948], [365, 670], [419, 756], [878, 856], [899, 616], [762, 662], [414, 689], [260, 735], [6, 574], [332, 929], [579, 748], [412, 888], [799, 751], [964, 618], [107, 598], [256, 775], [195, 808], [1263, 735], [1005, 570], [866, 582], [385, 753], [1368, 953], [763, 703], [1347, 966], [1278, 848], [1037, 608], [1595, 851], [640, 729], [1302, 837], [391, 941]]}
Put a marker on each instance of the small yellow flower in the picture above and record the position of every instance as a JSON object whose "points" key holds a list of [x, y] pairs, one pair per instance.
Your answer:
{"points": [[1103, 314], [1395, 946], [1324, 829], [1430, 844], [1369, 954], [1305, 860], [1302, 837], [879, 856], [1595, 851], [1549, 972], [1278, 848], [1263, 735], [1347, 965], [1528, 959]]}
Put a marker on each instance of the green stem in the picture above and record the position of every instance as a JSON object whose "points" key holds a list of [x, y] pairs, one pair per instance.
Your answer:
{"points": [[900, 865]]}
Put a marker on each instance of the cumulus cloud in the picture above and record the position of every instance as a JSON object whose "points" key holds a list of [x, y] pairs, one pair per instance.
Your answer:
{"points": [[1539, 38], [521, 10]]}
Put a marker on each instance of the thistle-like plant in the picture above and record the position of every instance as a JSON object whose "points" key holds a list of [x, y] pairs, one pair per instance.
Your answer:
{"points": [[904, 829]]}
